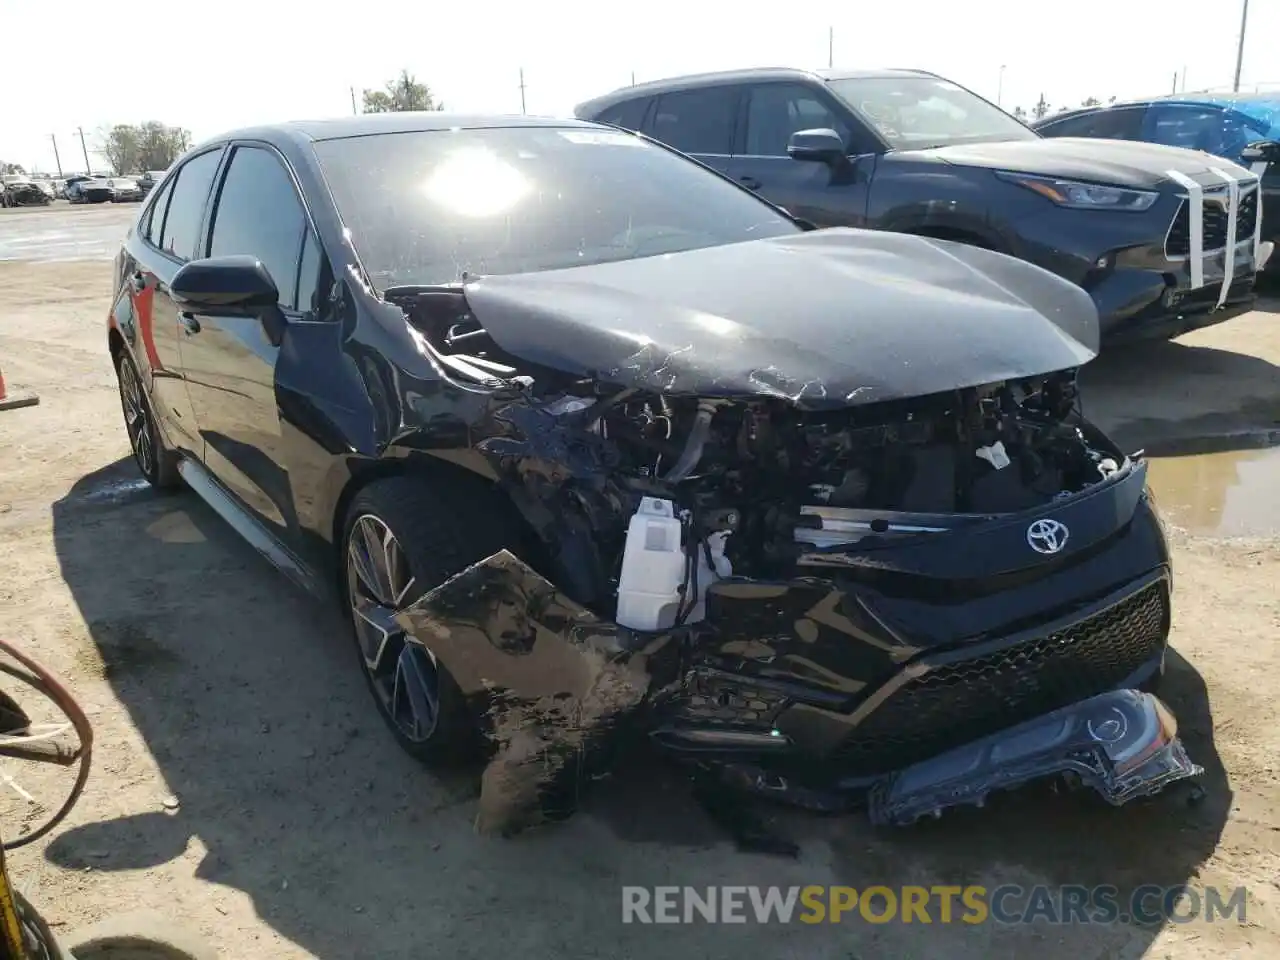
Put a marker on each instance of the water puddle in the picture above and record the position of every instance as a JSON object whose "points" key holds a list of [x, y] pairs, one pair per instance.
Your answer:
{"points": [[1233, 493]]}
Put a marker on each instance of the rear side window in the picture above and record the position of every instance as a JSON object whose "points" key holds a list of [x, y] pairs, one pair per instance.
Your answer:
{"points": [[628, 114], [777, 110], [697, 121], [154, 226], [1195, 128], [186, 207], [1113, 123], [259, 214]]}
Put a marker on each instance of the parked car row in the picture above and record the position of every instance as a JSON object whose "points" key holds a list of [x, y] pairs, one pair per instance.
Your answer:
{"points": [[103, 189], [912, 152], [22, 190], [19, 190]]}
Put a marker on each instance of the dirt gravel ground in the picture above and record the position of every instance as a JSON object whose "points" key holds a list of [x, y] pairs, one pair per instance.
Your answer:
{"points": [[244, 785]]}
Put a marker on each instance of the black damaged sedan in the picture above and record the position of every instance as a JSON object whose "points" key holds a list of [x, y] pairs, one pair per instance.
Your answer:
{"points": [[589, 440]]}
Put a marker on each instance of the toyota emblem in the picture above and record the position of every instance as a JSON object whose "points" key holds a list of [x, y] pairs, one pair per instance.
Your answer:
{"points": [[1047, 536]]}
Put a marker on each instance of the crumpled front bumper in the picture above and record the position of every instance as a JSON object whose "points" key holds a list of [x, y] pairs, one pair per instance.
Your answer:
{"points": [[555, 688]]}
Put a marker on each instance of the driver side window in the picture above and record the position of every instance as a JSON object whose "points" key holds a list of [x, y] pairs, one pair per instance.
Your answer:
{"points": [[777, 110], [259, 214]]}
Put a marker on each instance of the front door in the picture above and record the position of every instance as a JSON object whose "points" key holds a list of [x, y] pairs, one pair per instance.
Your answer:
{"points": [[230, 359], [813, 191]]}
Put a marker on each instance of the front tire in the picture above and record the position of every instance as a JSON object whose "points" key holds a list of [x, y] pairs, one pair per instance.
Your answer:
{"points": [[402, 537], [159, 465]]}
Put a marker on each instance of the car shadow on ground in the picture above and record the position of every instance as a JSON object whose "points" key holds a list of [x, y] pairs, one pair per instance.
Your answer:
{"points": [[1152, 395], [246, 692]]}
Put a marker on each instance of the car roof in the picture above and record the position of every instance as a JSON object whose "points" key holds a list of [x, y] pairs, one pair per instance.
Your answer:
{"points": [[361, 125], [1221, 100], [752, 75]]}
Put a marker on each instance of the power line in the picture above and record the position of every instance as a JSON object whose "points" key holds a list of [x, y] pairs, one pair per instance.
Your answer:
{"points": [[85, 150], [1244, 22], [56, 159]]}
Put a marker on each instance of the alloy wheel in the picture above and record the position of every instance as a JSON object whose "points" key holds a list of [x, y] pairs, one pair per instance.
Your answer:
{"points": [[137, 418], [403, 673]]}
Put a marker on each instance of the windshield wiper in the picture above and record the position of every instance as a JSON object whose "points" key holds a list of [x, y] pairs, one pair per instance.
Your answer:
{"points": [[409, 291]]}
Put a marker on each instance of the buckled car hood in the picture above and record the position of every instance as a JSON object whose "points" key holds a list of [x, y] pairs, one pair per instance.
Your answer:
{"points": [[825, 319], [1124, 163]]}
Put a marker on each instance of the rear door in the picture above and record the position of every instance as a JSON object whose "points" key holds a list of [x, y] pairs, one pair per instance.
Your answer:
{"points": [[817, 192], [700, 121], [166, 239], [229, 357]]}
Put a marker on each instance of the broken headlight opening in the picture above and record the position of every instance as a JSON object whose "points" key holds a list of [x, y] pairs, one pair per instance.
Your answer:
{"points": [[813, 603]]}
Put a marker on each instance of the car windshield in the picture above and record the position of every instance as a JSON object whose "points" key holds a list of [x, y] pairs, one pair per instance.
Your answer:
{"points": [[912, 113], [433, 207]]}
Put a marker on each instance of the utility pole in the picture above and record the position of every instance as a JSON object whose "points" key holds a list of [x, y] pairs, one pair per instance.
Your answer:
{"points": [[633, 78], [1000, 85], [1175, 82], [354, 111], [1244, 22], [85, 150], [56, 159], [831, 47], [522, 109]]}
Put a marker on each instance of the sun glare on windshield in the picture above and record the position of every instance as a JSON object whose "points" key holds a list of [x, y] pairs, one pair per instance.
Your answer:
{"points": [[476, 183]]}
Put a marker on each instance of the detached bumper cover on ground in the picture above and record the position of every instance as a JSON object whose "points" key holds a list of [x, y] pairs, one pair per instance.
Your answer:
{"points": [[556, 687]]}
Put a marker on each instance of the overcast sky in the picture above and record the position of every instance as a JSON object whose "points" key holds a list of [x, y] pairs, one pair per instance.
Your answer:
{"points": [[214, 66]]}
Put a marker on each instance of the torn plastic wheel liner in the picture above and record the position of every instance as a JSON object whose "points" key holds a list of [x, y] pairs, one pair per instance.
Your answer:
{"points": [[1123, 744], [554, 687]]}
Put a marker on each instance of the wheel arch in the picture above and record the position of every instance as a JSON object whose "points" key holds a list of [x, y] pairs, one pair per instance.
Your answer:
{"points": [[431, 468]]}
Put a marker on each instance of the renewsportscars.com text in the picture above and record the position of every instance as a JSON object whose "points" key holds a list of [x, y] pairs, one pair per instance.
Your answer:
{"points": [[1007, 904]]}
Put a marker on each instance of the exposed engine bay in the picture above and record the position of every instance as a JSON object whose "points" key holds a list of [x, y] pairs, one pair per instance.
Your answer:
{"points": [[806, 592], [754, 487]]}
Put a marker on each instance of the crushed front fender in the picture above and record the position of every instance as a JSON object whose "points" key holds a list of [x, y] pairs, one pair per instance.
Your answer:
{"points": [[551, 684], [1123, 744]]}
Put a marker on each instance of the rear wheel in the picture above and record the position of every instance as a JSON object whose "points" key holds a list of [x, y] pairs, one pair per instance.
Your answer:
{"points": [[404, 536], [157, 463]]}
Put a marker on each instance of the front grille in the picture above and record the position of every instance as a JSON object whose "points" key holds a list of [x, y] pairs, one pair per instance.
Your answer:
{"points": [[1214, 219], [957, 703]]}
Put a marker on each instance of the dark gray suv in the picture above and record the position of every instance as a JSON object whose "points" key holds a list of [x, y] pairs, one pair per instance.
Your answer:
{"points": [[909, 151]]}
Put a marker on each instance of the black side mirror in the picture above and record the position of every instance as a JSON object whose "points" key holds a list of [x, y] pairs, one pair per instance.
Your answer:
{"points": [[1265, 151], [822, 145], [230, 285], [239, 284]]}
